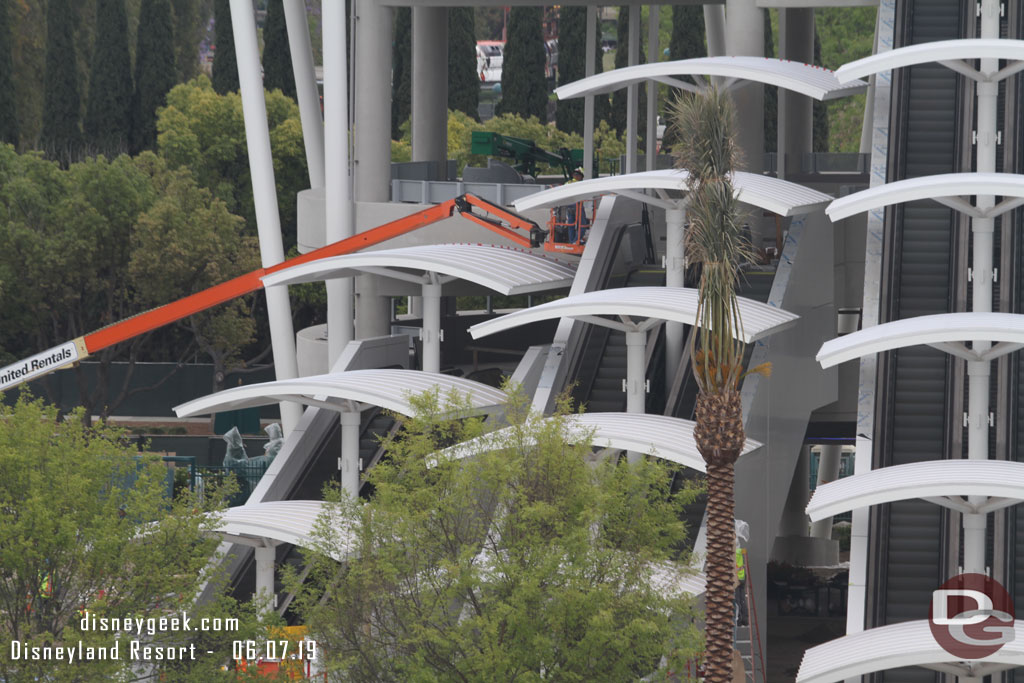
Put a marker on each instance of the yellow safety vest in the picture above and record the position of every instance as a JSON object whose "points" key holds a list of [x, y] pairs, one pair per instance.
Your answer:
{"points": [[741, 571]]}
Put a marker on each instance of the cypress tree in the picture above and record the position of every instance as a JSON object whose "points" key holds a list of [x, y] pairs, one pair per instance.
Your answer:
{"points": [[188, 32], [687, 40], [277, 59], [8, 103], [401, 71], [572, 45], [771, 93], [225, 65], [61, 137], [154, 70], [108, 114], [819, 139], [463, 80], [620, 97], [524, 89]]}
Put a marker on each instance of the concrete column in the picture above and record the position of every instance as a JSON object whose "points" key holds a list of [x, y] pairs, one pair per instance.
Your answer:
{"points": [[430, 85], [264, 189], [828, 470], [350, 421], [265, 576], [372, 73], [675, 271], [653, 56], [415, 306], [636, 394], [588, 101], [796, 113], [305, 89], [373, 312], [714, 29], [338, 205], [633, 90], [432, 327], [794, 518], [744, 35]]}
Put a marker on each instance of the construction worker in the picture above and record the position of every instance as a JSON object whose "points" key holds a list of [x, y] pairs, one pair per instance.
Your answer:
{"points": [[571, 210], [742, 535]]}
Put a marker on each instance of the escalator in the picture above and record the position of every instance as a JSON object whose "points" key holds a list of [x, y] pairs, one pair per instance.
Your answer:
{"points": [[908, 549]]}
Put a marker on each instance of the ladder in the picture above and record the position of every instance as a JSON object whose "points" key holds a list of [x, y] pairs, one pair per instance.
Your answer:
{"points": [[750, 648]]}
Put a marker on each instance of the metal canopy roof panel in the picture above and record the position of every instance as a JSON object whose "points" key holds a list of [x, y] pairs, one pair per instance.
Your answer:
{"points": [[937, 187], [938, 329], [999, 479], [390, 389], [674, 304], [937, 51], [805, 79], [668, 438], [764, 192], [910, 643], [503, 269], [291, 521]]}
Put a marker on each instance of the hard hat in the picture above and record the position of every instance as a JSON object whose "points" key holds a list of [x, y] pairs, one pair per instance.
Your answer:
{"points": [[579, 169]]}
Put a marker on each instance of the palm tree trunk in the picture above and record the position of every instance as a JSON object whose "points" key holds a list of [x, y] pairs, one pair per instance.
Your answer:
{"points": [[721, 573]]}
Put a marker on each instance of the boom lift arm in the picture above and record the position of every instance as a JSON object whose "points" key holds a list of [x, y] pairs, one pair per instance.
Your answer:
{"points": [[506, 223]]}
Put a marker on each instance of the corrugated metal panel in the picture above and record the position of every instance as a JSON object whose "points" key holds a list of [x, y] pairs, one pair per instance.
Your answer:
{"points": [[935, 51], [676, 304], [389, 389], [996, 478], [806, 79], [503, 269], [764, 192], [899, 645]]}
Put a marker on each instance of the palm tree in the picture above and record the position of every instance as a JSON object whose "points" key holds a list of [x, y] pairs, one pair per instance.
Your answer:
{"points": [[715, 240]]}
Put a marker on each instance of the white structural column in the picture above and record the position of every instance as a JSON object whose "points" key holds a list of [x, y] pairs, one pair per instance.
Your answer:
{"points": [[264, 189], [305, 89], [675, 274], [430, 85], [588, 102], [338, 208], [350, 421], [828, 471], [633, 89], [265, 556], [714, 28], [744, 35], [431, 329], [636, 394], [653, 55], [795, 127], [794, 521], [978, 373]]}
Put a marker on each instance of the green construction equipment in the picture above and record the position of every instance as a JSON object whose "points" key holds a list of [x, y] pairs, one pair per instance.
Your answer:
{"points": [[526, 153]]}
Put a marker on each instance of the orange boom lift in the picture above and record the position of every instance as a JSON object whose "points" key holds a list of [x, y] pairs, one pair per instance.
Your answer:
{"points": [[506, 223]]}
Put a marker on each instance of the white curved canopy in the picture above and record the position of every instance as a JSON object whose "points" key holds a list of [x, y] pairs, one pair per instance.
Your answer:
{"points": [[944, 331], [390, 389], [946, 188], [943, 482], [946, 52], [674, 304], [668, 438], [503, 269], [909, 643], [813, 81], [272, 523], [764, 192]]}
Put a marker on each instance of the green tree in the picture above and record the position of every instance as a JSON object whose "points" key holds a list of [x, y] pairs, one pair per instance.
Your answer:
{"points": [[715, 241], [687, 40], [277, 59], [8, 99], [61, 137], [620, 97], [463, 80], [524, 89], [820, 112], [108, 113], [771, 93], [401, 71], [189, 28], [572, 40], [154, 70], [225, 64], [86, 523], [209, 248], [525, 561], [206, 132]]}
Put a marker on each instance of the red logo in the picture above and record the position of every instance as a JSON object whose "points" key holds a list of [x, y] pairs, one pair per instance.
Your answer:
{"points": [[971, 616]]}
